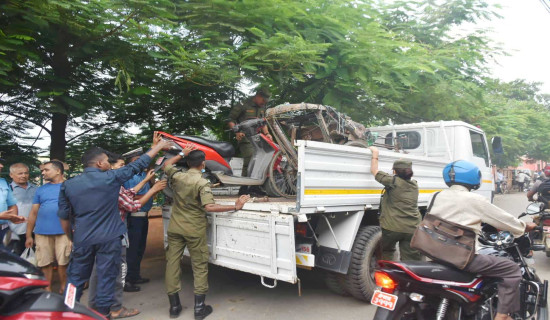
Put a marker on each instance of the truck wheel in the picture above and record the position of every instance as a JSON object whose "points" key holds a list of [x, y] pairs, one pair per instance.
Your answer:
{"points": [[364, 254], [335, 282]]}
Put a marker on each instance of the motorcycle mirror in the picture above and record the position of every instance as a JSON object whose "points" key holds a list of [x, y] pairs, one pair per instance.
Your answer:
{"points": [[534, 207]]}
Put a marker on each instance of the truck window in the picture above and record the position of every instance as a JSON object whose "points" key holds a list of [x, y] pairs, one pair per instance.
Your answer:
{"points": [[479, 147], [407, 139]]}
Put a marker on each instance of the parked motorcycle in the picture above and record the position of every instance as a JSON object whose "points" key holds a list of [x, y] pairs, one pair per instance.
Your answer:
{"points": [[540, 236], [22, 295], [429, 290], [266, 167]]}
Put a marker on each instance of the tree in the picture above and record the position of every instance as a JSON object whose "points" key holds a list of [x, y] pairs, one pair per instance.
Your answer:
{"points": [[63, 59]]}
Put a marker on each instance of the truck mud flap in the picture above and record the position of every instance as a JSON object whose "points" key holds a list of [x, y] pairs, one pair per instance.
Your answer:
{"points": [[332, 260]]}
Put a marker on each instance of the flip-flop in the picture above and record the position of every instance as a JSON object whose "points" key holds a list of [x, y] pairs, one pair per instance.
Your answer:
{"points": [[125, 313]]}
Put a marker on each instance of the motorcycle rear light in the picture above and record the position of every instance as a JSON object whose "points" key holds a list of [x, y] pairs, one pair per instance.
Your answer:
{"points": [[301, 229], [384, 281], [546, 222]]}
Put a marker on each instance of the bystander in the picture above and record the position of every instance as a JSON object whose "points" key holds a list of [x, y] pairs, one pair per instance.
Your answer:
{"points": [[52, 245], [23, 191], [88, 208]]}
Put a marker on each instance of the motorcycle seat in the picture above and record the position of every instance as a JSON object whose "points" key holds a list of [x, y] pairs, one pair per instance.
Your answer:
{"points": [[225, 149], [434, 270]]}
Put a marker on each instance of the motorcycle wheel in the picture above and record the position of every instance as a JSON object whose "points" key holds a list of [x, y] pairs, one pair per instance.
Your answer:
{"points": [[359, 281], [282, 178]]}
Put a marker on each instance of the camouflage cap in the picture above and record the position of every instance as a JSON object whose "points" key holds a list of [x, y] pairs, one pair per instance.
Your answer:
{"points": [[402, 164], [264, 92]]}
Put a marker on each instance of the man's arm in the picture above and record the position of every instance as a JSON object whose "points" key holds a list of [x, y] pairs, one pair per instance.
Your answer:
{"points": [[66, 225], [374, 161], [150, 175], [31, 224], [158, 186], [125, 173], [188, 148], [213, 207]]}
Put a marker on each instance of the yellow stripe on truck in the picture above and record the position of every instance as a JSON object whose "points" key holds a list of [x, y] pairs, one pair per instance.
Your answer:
{"points": [[324, 192], [487, 181]]}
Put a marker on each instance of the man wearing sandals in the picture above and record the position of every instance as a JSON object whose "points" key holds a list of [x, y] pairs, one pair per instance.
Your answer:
{"points": [[126, 204]]}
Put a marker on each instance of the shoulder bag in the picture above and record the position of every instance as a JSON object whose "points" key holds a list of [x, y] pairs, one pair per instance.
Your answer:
{"points": [[444, 241]]}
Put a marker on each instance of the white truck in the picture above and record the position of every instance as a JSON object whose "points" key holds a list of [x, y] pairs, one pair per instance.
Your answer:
{"points": [[333, 222]]}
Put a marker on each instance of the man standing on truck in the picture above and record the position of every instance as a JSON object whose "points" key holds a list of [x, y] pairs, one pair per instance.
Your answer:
{"points": [[251, 108], [187, 228], [399, 215]]}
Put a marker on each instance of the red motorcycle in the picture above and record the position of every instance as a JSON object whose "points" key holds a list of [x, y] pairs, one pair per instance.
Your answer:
{"points": [[265, 168], [22, 296], [429, 290]]}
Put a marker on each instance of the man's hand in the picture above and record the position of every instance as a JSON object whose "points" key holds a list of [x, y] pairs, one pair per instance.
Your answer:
{"points": [[150, 175], [157, 137], [529, 226], [188, 148], [239, 136], [269, 136], [239, 204], [374, 151], [29, 242], [17, 219], [159, 185]]}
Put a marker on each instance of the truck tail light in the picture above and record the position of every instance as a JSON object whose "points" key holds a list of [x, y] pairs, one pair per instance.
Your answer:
{"points": [[301, 229], [384, 281]]}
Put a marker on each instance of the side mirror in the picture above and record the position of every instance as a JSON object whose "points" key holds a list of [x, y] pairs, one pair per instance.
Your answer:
{"points": [[534, 207], [496, 143]]}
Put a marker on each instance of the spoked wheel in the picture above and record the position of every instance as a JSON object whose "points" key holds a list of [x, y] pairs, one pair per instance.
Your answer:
{"points": [[282, 177]]}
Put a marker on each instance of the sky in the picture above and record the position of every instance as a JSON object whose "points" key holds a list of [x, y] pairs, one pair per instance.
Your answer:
{"points": [[520, 32], [523, 33]]}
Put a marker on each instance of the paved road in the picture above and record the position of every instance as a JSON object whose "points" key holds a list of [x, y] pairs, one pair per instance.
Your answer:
{"points": [[237, 295]]}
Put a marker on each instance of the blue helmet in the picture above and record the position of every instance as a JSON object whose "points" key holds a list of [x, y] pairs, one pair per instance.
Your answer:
{"points": [[462, 172]]}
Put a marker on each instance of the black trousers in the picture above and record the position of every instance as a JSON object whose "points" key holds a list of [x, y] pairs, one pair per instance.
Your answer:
{"points": [[508, 271], [18, 246], [138, 227]]}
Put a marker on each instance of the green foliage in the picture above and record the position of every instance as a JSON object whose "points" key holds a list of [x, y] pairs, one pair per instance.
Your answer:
{"points": [[91, 69]]}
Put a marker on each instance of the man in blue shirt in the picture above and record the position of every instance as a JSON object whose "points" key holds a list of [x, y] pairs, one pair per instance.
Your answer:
{"points": [[52, 244], [23, 191], [88, 209], [8, 207], [138, 227]]}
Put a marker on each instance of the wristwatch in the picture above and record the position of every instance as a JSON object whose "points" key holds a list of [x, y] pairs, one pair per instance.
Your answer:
{"points": [[181, 154]]}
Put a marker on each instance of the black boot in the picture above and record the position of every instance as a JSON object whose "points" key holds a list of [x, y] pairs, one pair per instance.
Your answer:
{"points": [[175, 305], [201, 310]]}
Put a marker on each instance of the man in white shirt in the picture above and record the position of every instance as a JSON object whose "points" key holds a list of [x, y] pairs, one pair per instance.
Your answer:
{"points": [[457, 204]]}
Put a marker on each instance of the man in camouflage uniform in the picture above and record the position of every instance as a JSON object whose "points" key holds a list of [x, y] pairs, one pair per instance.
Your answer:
{"points": [[251, 108], [187, 228], [399, 214]]}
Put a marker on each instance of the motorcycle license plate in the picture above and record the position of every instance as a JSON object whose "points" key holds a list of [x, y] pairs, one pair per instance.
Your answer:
{"points": [[384, 300], [159, 161], [546, 229]]}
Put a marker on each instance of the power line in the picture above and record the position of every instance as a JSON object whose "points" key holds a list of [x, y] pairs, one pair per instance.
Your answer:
{"points": [[546, 5]]}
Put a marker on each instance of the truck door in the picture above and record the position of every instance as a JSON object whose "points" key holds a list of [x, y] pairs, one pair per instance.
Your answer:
{"points": [[480, 156]]}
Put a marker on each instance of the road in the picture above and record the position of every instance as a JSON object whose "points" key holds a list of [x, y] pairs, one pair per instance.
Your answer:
{"points": [[237, 295]]}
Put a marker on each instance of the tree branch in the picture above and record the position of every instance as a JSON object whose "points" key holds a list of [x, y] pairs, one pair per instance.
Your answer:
{"points": [[27, 119], [91, 129]]}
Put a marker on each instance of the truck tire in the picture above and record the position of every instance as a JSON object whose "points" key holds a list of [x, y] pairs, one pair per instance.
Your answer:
{"points": [[336, 283], [359, 281]]}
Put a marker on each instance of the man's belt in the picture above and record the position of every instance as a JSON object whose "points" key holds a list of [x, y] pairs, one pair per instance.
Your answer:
{"points": [[139, 214]]}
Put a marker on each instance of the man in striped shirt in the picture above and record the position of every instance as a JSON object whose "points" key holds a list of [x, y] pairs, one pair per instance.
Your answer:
{"points": [[126, 204]]}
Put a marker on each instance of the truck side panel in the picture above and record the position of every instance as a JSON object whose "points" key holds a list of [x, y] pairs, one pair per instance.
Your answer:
{"points": [[337, 178]]}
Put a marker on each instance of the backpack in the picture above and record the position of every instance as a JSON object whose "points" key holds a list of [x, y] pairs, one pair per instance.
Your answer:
{"points": [[544, 191]]}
